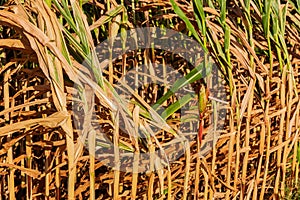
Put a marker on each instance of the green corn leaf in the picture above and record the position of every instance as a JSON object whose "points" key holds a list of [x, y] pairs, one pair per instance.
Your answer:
{"points": [[65, 13], [176, 106], [189, 25], [223, 11], [196, 74], [199, 23], [266, 16], [227, 42], [201, 19], [283, 19]]}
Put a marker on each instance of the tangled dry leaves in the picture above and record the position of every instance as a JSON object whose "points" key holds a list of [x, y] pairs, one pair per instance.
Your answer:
{"points": [[41, 155]]}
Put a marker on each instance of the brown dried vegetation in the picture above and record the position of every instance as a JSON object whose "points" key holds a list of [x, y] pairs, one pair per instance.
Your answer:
{"points": [[42, 45]]}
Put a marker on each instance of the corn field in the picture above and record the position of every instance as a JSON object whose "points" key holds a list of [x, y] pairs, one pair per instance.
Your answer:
{"points": [[62, 82]]}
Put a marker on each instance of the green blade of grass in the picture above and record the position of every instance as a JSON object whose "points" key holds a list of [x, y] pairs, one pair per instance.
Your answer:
{"points": [[170, 110], [189, 25], [196, 74]]}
